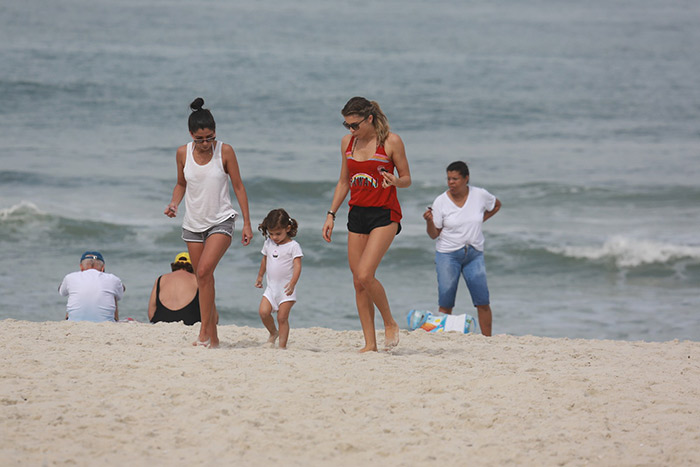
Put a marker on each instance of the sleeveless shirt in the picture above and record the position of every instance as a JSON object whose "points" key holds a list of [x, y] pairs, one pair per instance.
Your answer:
{"points": [[366, 181], [207, 196]]}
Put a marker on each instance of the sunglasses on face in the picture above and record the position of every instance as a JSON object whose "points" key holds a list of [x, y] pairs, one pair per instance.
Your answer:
{"points": [[205, 140], [354, 126]]}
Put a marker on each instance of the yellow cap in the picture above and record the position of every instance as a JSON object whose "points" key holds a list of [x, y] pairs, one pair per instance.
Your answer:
{"points": [[183, 257]]}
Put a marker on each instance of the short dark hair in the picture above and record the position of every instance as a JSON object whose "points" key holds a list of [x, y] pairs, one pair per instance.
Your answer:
{"points": [[200, 117], [181, 265], [459, 166]]}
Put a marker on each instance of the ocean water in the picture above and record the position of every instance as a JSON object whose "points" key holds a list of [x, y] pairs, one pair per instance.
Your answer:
{"points": [[583, 118]]}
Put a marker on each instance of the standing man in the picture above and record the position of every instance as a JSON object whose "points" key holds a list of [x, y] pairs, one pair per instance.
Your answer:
{"points": [[92, 293]]}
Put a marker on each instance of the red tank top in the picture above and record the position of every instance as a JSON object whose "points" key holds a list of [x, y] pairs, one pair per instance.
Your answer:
{"points": [[366, 182]]}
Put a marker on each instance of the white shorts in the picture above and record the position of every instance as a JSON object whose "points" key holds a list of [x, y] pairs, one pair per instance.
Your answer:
{"points": [[276, 296]]}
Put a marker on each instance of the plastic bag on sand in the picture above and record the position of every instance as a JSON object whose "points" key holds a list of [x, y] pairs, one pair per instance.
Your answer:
{"points": [[440, 322]]}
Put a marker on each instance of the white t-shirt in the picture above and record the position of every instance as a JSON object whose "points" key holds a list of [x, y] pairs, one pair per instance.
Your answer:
{"points": [[207, 197], [280, 261], [461, 226], [91, 295]]}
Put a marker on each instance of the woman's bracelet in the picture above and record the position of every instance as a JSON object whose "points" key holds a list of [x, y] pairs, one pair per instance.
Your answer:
{"points": [[331, 213]]}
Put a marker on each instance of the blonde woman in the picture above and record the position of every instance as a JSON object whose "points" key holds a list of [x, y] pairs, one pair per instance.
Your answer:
{"points": [[373, 165]]}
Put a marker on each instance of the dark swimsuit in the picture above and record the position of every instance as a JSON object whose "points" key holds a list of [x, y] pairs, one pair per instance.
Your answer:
{"points": [[189, 314]]}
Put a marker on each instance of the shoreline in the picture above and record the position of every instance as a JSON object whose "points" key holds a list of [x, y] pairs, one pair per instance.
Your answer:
{"points": [[86, 393]]}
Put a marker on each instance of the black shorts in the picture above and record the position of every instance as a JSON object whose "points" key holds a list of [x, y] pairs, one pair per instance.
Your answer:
{"points": [[362, 220]]}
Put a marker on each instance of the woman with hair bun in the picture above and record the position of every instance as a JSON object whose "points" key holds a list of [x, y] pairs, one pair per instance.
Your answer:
{"points": [[369, 156], [204, 167]]}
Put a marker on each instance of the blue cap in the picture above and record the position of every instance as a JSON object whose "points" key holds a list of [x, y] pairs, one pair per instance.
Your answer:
{"points": [[92, 255]]}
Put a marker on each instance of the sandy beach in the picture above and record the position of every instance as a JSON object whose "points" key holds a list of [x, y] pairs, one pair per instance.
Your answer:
{"points": [[110, 394]]}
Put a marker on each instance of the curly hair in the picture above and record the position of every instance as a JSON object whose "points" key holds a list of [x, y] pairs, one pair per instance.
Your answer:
{"points": [[278, 219]]}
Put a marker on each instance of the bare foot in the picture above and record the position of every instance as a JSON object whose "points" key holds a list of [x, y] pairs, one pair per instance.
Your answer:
{"points": [[368, 348], [273, 338], [391, 337], [205, 344]]}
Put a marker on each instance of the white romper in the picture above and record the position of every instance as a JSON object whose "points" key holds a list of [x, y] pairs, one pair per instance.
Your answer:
{"points": [[280, 268]]}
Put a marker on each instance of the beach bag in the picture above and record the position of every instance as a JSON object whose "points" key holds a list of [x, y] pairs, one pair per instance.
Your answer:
{"points": [[440, 322]]}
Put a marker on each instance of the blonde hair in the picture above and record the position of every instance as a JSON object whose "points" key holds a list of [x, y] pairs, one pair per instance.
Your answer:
{"points": [[364, 108]]}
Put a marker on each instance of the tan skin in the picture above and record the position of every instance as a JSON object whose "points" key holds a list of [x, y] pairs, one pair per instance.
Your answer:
{"points": [[177, 289], [206, 256], [279, 236], [458, 192], [365, 252]]}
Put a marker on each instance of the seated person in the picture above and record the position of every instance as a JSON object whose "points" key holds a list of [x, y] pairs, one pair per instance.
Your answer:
{"points": [[92, 293], [175, 296]]}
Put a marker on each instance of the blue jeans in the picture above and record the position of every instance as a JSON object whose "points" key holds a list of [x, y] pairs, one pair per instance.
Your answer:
{"points": [[469, 262]]}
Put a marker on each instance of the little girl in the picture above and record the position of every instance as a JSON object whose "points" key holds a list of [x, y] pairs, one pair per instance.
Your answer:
{"points": [[282, 261]]}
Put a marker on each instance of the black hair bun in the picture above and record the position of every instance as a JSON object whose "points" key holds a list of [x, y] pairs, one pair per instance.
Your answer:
{"points": [[197, 104]]}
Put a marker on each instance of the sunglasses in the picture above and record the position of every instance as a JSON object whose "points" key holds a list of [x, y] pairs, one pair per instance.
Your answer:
{"points": [[354, 126], [205, 140]]}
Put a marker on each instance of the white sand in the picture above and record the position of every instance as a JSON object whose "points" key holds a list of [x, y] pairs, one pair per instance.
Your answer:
{"points": [[139, 394]]}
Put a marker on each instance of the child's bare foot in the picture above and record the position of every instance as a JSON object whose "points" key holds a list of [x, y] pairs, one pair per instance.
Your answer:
{"points": [[273, 338], [368, 348], [391, 336]]}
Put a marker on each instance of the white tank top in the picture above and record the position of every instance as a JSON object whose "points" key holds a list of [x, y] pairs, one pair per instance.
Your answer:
{"points": [[207, 197]]}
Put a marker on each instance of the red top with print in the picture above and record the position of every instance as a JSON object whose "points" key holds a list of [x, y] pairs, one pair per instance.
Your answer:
{"points": [[366, 181]]}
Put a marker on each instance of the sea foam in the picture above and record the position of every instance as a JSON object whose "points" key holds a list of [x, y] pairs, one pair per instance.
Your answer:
{"points": [[630, 252], [21, 210]]}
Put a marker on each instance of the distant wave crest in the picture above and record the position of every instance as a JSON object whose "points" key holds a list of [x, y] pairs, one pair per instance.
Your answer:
{"points": [[627, 252], [22, 211], [25, 223]]}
